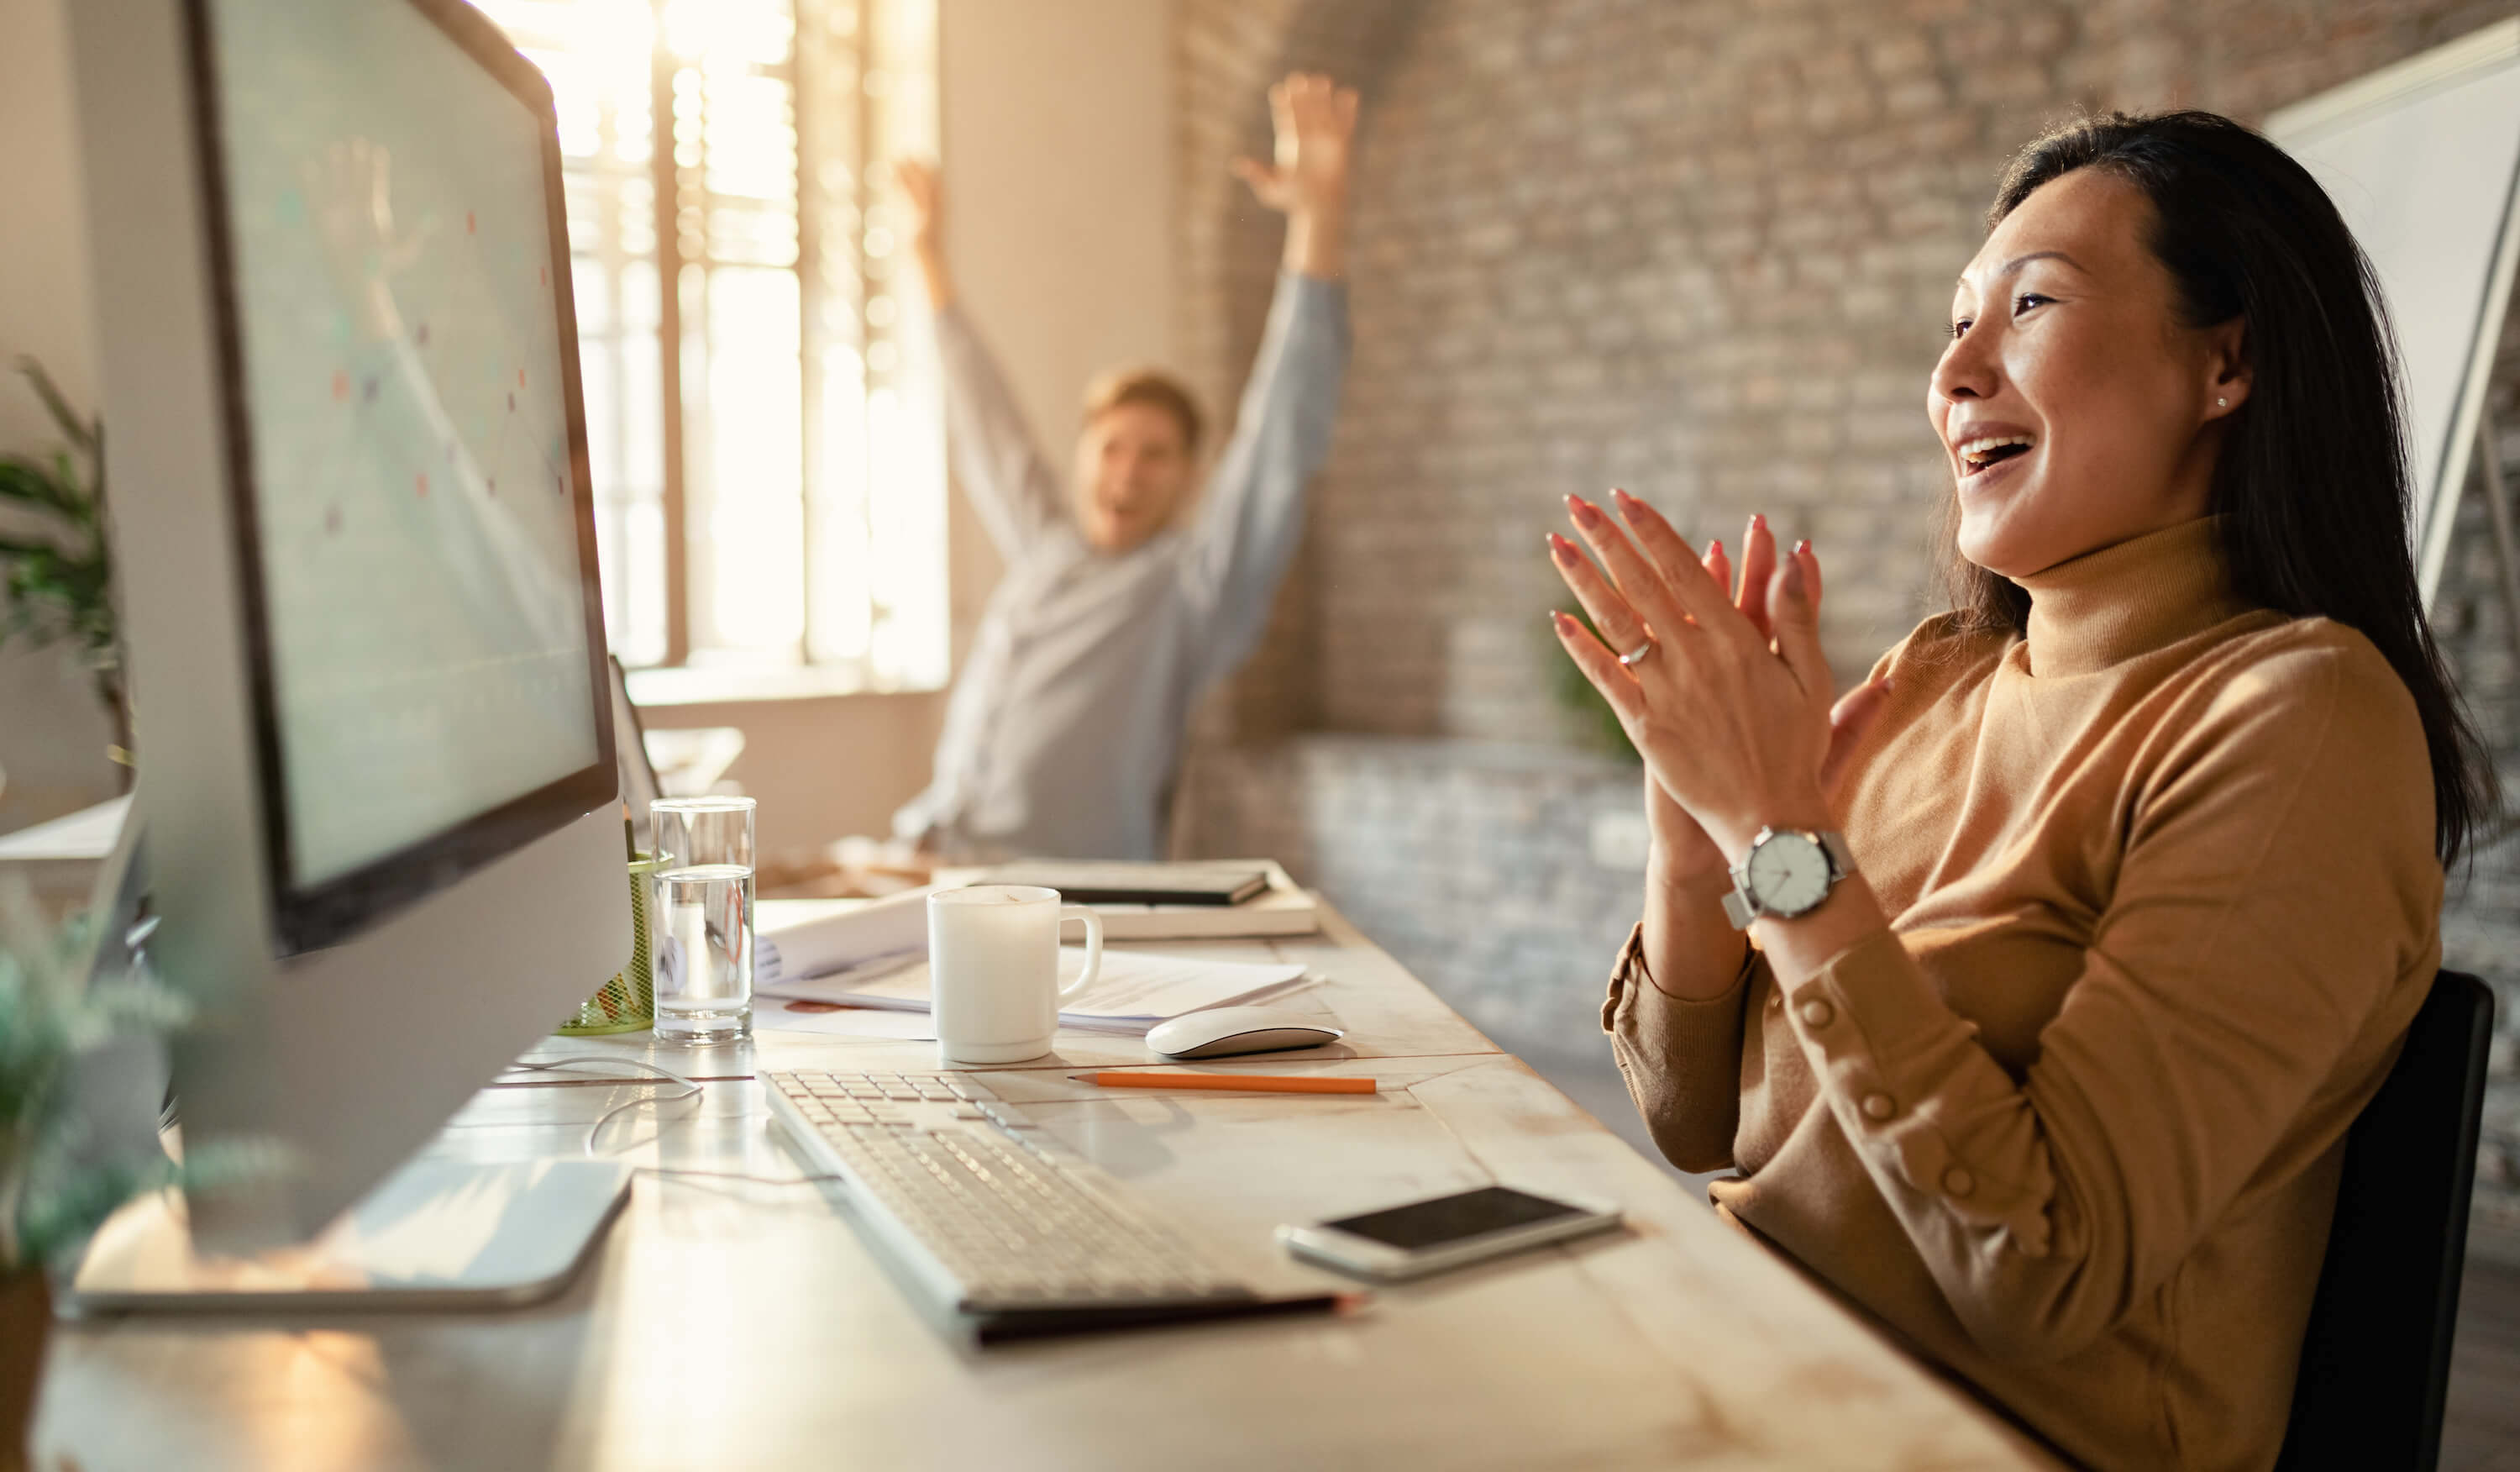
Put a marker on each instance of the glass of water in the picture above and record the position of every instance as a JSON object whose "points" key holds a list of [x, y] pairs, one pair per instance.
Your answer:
{"points": [[703, 919]]}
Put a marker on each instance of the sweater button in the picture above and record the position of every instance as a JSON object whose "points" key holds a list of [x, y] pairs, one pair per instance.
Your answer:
{"points": [[1817, 1013], [1957, 1183], [1775, 999], [1879, 1106]]}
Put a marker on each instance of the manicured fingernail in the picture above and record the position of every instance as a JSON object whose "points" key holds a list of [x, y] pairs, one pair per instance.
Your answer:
{"points": [[1758, 521], [1586, 514], [1794, 577], [1802, 546], [1629, 505], [1560, 623], [1715, 548], [1561, 548]]}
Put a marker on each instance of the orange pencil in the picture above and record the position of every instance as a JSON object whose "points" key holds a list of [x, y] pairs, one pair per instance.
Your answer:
{"points": [[1258, 1083]]}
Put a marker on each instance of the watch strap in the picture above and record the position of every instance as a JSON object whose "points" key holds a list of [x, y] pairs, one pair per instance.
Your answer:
{"points": [[1743, 910]]}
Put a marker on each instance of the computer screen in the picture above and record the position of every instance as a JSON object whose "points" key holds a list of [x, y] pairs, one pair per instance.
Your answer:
{"points": [[411, 450]]}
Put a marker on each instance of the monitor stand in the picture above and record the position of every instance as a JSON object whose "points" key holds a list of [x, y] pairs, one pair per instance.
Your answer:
{"points": [[436, 1234]]}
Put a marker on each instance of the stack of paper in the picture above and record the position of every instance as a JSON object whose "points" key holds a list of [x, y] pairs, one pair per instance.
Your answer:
{"points": [[1134, 993], [799, 940], [843, 939]]}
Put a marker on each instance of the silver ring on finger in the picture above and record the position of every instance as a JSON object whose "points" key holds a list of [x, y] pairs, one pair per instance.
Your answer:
{"points": [[1637, 656]]}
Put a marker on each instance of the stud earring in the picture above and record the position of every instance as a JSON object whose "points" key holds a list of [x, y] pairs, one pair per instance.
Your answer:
{"points": [[2222, 403]]}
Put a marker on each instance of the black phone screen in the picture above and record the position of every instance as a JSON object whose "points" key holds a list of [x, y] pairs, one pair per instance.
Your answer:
{"points": [[1446, 1220]]}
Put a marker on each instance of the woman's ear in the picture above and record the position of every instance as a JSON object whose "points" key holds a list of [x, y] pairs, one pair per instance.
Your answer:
{"points": [[2227, 363]]}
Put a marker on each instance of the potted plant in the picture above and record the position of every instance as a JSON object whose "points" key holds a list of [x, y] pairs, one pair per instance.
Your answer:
{"points": [[56, 563], [64, 1167]]}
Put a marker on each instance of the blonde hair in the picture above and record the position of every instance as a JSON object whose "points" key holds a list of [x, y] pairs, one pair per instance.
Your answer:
{"points": [[1152, 387]]}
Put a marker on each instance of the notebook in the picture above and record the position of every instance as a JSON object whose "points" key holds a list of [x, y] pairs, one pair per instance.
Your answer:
{"points": [[1283, 908], [1106, 881]]}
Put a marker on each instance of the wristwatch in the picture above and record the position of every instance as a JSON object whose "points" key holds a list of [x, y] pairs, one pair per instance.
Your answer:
{"points": [[1788, 872]]}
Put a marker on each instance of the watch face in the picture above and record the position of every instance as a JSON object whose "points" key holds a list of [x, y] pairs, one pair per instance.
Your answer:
{"points": [[1788, 874]]}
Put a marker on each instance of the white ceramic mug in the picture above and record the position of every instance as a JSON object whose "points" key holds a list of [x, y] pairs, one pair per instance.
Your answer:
{"points": [[992, 969]]}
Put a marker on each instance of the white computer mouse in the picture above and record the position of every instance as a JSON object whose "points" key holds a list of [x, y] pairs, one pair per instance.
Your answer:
{"points": [[1222, 1030]]}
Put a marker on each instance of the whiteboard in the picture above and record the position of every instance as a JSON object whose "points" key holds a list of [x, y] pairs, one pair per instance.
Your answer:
{"points": [[2421, 159]]}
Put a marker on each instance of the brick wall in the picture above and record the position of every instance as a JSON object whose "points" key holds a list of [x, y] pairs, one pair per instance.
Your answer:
{"points": [[1231, 51], [1703, 250], [1406, 835]]}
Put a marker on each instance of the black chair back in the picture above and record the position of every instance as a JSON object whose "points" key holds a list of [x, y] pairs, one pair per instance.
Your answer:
{"points": [[2375, 1361]]}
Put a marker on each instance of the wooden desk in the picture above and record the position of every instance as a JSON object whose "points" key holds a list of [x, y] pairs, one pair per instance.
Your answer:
{"points": [[728, 1325]]}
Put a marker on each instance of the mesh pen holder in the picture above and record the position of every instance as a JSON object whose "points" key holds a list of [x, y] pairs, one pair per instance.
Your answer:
{"points": [[626, 1004]]}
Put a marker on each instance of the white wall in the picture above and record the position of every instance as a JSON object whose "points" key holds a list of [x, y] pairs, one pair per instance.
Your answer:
{"points": [[1056, 128], [52, 732]]}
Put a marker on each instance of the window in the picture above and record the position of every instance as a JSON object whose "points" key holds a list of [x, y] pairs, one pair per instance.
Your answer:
{"points": [[767, 448]]}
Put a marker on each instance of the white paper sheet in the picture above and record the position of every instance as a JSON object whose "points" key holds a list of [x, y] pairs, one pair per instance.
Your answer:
{"points": [[1135, 991], [880, 932], [796, 1014]]}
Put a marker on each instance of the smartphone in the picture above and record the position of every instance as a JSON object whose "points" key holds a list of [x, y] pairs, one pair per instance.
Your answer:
{"points": [[1446, 1231]]}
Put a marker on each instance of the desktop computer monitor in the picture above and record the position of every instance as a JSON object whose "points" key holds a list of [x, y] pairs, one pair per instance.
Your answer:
{"points": [[356, 545]]}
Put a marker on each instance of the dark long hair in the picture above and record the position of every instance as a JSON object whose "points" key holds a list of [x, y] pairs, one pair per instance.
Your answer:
{"points": [[2312, 484]]}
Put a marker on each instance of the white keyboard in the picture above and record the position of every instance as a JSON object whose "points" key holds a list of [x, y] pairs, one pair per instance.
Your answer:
{"points": [[989, 1216]]}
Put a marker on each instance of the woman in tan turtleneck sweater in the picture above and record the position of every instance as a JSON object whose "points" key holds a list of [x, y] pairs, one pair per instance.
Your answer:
{"points": [[2146, 839]]}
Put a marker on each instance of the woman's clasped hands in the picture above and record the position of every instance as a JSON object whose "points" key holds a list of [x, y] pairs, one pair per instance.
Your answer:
{"points": [[1725, 691]]}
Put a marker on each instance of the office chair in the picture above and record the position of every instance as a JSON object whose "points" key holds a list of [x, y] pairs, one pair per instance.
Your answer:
{"points": [[2376, 1361]]}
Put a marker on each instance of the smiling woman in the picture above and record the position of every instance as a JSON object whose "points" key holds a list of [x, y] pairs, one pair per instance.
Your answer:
{"points": [[2311, 484], [2081, 931], [2115, 411]]}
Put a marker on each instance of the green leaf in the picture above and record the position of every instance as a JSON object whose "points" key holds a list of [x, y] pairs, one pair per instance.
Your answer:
{"points": [[61, 582], [83, 504], [83, 433], [23, 480], [58, 1179], [11, 547]]}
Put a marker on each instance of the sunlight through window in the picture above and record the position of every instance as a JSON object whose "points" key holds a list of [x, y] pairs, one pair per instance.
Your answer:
{"points": [[767, 448]]}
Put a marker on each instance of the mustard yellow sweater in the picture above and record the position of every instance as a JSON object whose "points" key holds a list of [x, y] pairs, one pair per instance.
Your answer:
{"points": [[2165, 901]]}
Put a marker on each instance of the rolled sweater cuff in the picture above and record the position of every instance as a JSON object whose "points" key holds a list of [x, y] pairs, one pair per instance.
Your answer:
{"points": [[1636, 1008]]}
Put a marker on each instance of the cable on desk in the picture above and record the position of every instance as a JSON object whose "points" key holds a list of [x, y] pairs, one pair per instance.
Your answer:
{"points": [[691, 1091], [759, 1181]]}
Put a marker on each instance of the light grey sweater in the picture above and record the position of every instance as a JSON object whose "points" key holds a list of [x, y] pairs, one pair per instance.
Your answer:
{"points": [[1064, 729]]}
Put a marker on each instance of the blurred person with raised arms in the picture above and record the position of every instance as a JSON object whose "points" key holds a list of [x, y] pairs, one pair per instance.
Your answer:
{"points": [[1122, 601], [2030, 989]]}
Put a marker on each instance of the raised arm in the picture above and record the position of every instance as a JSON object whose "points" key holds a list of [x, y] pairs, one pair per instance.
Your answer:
{"points": [[1306, 179], [989, 445], [1254, 512]]}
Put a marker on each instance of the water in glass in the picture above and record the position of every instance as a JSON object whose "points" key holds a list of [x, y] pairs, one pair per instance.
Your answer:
{"points": [[704, 953]]}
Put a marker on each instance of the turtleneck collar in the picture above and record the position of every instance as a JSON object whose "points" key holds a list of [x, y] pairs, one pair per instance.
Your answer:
{"points": [[2105, 607]]}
